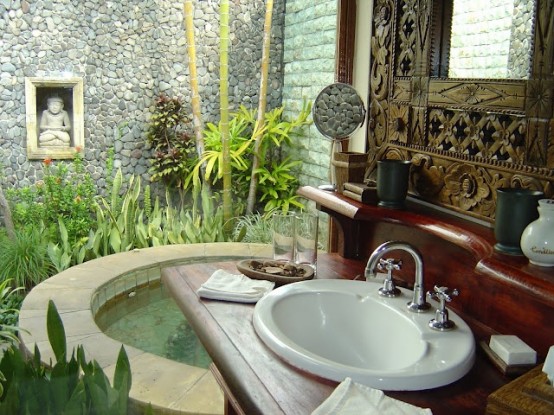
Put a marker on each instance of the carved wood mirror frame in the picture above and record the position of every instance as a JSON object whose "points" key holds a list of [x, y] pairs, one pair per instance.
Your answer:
{"points": [[466, 137]]}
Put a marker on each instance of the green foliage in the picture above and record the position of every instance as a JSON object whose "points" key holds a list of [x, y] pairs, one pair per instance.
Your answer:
{"points": [[173, 146], [277, 185], [255, 228], [278, 175], [240, 149], [74, 386], [64, 193], [10, 301], [125, 223], [63, 254], [117, 219], [24, 259], [110, 158]]}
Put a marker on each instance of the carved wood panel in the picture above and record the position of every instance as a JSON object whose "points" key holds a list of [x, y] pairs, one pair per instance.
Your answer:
{"points": [[466, 137]]}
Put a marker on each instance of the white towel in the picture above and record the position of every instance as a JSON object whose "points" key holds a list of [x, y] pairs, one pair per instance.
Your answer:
{"points": [[223, 285], [351, 398]]}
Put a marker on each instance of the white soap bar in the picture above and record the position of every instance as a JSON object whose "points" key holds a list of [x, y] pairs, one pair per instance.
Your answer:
{"points": [[512, 350]]}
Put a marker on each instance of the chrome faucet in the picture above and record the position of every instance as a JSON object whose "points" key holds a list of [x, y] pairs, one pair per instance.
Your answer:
{"points": [[418, 303]]}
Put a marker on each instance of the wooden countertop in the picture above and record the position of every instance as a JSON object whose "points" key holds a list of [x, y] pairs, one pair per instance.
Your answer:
{"points": [[264, 384]]}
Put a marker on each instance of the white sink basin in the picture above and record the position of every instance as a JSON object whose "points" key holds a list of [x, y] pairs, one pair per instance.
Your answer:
{"points": [[340, 328]]}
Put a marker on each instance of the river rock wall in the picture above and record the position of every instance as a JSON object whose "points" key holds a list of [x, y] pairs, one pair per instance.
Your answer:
{"points": [[126, 53]]}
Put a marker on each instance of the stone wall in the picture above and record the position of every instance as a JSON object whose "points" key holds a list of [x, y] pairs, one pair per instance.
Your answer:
{"points": [[521, 40], [494, 44], [127, 53], [309, 66]]}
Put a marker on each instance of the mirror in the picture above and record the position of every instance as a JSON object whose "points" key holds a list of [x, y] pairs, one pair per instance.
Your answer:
{"points": [[338, 111], [466, 137], [491, 44]]}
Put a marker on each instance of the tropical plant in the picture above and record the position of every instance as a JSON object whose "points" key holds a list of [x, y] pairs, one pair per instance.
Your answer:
{"points": [[240, 149], [110, 158], [24, 259], [10, 302], [67, 192], [278, 183], [130, 220], [278, 176], [74, 386], [63, 254], [116, 218], [174, 149], [202, 223], [254, 228]]}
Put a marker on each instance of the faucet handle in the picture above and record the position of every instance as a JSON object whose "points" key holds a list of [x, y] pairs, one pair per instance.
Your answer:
{"points": [[389, 288], [389, 264], [443, 295]]}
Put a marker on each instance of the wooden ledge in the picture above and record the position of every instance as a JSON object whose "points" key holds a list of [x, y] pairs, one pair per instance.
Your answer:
{"points": [[477, 239]]}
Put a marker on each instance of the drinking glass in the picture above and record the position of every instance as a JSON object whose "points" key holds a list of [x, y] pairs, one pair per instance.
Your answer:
{"points": [[306, 229], [283, 236]]}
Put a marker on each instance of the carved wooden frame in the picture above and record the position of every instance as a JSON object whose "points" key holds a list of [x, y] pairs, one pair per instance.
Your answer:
{"points": [[466, 137]]}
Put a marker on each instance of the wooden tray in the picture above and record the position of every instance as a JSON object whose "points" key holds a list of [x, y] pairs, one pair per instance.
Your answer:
{"points": [[247, 268]]}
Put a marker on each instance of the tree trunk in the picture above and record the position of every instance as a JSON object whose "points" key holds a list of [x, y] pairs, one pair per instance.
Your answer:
{"points": [[224, 107], [251, 201], [7, 214]]}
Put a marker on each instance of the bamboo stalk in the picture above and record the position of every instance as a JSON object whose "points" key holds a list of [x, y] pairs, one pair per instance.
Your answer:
{"points": [[224, 107], [262, 103]]}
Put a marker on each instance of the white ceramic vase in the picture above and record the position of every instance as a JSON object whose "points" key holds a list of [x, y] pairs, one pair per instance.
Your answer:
{"points": [[537, 239]]}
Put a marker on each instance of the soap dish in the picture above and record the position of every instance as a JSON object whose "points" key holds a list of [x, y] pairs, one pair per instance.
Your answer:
{"points": [[506, 369], [254, 268]]}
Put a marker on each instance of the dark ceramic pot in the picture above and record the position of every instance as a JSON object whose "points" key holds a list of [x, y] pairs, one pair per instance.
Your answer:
{"points": [[515, 209], [392, 182]]}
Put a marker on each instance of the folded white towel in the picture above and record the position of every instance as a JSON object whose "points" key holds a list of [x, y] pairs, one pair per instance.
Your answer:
{"points": [[351, 398], [223, 285]]}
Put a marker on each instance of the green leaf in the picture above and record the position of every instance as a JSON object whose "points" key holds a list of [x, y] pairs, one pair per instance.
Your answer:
{"points": [[122, 375], [115, 240], [76, 402], [56, 332]]}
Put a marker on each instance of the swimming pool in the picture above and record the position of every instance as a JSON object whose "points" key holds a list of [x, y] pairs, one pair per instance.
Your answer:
{"points": [[149, 320]]}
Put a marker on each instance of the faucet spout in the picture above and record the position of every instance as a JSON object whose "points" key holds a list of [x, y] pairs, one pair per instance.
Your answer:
{"points": [[418, 303]]}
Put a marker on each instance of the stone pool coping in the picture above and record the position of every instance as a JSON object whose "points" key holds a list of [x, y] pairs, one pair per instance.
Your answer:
{"points": [[78, 292]]}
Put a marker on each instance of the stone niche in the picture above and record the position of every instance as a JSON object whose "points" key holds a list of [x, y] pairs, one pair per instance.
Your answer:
{"points": [[58, 134]]}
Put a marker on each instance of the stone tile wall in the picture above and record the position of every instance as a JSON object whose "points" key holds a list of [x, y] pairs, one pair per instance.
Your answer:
{"points": [[309, 66]]}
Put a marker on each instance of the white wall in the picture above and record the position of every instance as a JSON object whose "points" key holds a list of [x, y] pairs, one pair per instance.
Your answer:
{"points": [[364, 16]]}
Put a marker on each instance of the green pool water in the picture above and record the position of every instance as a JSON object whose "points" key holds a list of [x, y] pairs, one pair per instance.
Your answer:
{"points": [[149, 319]]}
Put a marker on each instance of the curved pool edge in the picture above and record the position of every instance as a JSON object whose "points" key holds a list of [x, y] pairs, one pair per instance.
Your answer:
{"points": [[78, 292]]}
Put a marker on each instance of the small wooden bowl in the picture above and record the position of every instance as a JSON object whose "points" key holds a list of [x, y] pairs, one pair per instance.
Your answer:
{"points": [[246, 267]]}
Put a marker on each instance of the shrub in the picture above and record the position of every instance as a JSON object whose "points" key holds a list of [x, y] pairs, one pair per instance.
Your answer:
{"points": [[65, 193], [24, 259], [174, 148], [278, 175], [255, 228], [74, 386], [10, 302]]}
